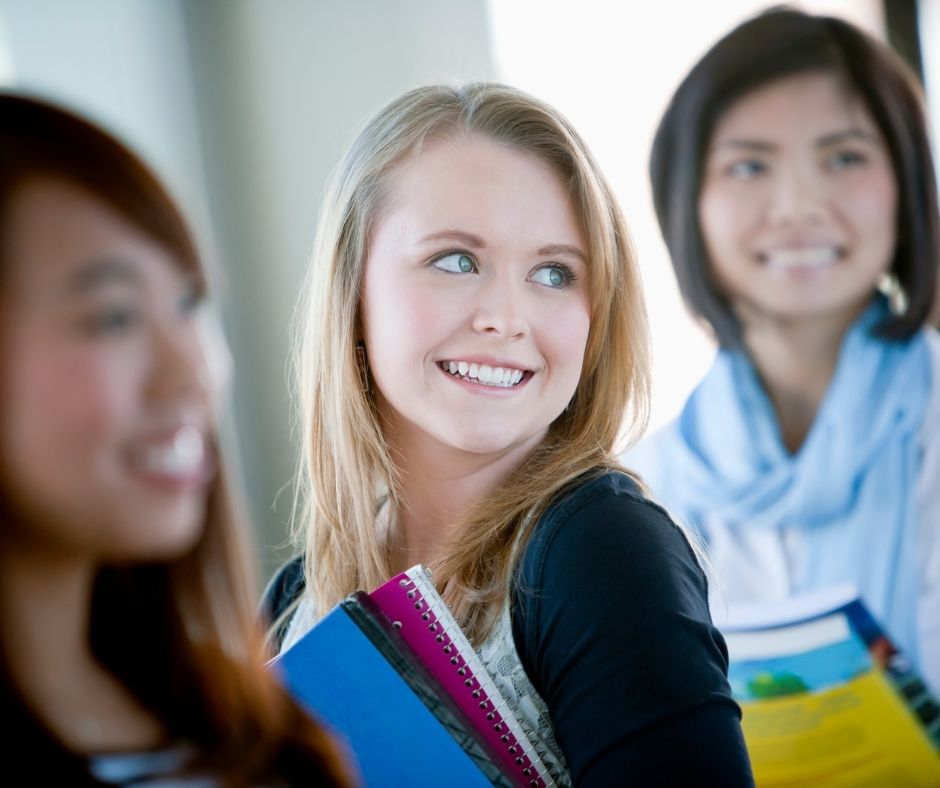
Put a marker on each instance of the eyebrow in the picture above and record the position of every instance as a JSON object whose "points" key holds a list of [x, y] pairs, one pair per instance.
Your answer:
{"points": [[456, 235], [553, 249], [475, 242], [848, 134], [836, 137], [100, 273], [752, 145]]}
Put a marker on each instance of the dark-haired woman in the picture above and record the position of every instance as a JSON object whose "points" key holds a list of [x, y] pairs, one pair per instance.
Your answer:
{"points": [[127, 650], [801, 218]]}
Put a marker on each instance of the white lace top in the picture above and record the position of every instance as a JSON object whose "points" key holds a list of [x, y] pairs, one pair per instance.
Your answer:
{"points": [[501, 660]]}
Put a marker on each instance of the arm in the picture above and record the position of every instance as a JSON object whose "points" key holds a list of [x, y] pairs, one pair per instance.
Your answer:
{"points": [[615, 634]]}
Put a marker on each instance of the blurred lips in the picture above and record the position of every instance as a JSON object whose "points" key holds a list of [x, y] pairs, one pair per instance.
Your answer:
{"points": [[801, 257], [180, 458]]}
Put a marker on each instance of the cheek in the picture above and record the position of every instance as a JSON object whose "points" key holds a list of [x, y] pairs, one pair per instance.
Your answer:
{"points": [[59, 405], [565, 332], [722, 216], [874, 207], [404, 319]]}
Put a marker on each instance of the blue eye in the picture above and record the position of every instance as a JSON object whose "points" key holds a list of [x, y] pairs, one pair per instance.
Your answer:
{"points": [[746, 169], [554, 275], [455, 263], [845, 159]]}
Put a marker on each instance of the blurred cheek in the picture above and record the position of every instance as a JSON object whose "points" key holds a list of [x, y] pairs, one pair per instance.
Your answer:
{"points": [[875, 209], [58, 404], [217, 359], [726, 223], [716, 217]]}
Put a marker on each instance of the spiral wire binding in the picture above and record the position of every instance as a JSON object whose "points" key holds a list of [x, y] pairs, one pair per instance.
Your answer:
{"points": [[447, 633]]}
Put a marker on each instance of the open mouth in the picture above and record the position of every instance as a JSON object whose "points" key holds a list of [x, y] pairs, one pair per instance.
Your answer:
{"points": [[485, 375], [183, 457], [802, 259]]}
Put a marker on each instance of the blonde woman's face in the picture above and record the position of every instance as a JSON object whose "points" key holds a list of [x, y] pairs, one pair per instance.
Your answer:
{"points": [[476, 300], [105, 386], [799, 202]]}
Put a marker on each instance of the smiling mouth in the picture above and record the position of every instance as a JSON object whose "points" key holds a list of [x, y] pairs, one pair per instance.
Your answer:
{"points": [[485, 375], [803, 258], [185, 457]]}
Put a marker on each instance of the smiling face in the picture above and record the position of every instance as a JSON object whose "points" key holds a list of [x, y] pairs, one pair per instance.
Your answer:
{"points": [[105, 446], [475, 299], [798, 203]]}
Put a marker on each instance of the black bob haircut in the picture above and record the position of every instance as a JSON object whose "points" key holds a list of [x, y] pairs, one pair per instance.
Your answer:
{"points": [[778, 43]]}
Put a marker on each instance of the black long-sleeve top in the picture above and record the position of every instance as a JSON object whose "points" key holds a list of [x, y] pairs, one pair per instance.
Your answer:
{"points": [[610, 619]]}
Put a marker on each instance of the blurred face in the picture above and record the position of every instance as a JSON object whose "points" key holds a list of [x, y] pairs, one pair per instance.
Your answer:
{"points": [[105, 424], [799, 202], [476, 299]]}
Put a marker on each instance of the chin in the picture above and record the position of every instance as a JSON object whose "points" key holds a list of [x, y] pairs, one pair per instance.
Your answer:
{"points": [[494, 442], [167, 536]]}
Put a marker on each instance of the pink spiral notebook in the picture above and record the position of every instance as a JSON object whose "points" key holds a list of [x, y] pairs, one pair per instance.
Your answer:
{"points": [[414, 607]]}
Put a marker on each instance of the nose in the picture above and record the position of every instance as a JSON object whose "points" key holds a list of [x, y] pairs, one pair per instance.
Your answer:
{"points": [[798, 198], [500, 309]]}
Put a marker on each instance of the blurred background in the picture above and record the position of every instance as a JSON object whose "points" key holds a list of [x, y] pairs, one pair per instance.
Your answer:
{"points": [[244, 106]]}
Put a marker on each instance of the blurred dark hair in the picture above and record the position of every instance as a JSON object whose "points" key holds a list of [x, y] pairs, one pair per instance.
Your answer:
{"points": [[37, 138], [180, 634], [783, 42]]}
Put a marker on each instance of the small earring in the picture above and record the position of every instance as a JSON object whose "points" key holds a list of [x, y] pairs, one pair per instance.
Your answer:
{"points": [[363, 366], [890, 287]]}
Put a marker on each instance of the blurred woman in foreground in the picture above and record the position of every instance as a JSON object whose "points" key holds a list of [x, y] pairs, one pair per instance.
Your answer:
{"points": [[127, 648]]}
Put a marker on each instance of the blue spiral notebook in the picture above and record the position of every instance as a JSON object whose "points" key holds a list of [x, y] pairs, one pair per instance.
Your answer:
{"points": [[351, 672]]}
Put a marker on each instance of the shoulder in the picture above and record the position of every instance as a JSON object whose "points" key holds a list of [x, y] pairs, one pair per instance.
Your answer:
{"points": [[606, 517], [600, 486], [605, 544], [284, 588]]}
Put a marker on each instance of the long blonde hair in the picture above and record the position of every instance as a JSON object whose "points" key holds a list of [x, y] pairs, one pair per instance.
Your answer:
{"points": [[345, 466]]}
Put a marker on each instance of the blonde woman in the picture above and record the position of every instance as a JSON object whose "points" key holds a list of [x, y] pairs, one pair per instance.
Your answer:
{"points": [[475, 333]]}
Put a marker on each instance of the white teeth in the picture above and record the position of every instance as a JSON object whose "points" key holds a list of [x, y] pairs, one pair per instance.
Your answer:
{"points": [[183, 455], [502, 377], [810, 257]]}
